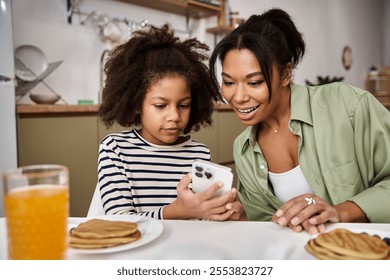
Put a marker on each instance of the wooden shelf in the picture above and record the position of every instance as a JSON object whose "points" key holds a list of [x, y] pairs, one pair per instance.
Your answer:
{"points": [[191, 8], [220, 29]]}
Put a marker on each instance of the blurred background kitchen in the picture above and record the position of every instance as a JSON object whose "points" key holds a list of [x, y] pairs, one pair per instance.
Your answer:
{"points": [[346, 40]]}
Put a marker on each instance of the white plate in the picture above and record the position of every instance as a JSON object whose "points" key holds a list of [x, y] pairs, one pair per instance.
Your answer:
{"points": [[150, 229], [33, 58]]}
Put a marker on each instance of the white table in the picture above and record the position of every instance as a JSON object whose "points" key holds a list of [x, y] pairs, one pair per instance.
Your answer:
{"points": [[187, 240]]}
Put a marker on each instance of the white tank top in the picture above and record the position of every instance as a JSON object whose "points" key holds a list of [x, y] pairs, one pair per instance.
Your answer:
{"points": [[289, 184]]}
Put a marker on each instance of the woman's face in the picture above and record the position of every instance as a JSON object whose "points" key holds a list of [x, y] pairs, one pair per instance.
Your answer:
{"points": [[166, 111], [244, 87]]}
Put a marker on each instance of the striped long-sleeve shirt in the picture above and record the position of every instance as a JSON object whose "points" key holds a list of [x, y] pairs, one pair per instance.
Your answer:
{"points": [[136, 176]]}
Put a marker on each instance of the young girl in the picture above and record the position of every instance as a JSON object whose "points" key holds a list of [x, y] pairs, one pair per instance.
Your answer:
{"points": [[159, 84]]}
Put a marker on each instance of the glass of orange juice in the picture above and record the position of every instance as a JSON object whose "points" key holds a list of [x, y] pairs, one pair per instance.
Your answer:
{"points": [[36, 201]]}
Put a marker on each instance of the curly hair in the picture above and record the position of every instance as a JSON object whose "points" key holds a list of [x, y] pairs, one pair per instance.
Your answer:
{"points": [[147, 57], [271, 36]]}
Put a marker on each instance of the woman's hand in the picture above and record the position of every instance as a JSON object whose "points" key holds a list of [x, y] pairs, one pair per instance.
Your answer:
{"points": [[300, 213], [202, 205]]}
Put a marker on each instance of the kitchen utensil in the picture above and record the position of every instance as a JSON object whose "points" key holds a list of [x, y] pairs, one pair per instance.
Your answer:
{"points": [[112, 32], [34, 60], [44, 98]]}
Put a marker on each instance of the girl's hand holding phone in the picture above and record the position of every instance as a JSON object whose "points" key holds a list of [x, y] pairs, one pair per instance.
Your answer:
{"points": [[203, 205], [205, 174]]}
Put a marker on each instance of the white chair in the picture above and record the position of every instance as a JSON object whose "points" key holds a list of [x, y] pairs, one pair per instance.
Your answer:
{"points": [[96, 206]]}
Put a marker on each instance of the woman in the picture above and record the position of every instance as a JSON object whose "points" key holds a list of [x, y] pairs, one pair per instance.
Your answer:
{"points": [[310, 155]]}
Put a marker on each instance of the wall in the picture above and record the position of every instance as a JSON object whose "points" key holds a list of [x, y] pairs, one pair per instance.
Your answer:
{"points": [[327, 27], [386, 32]]}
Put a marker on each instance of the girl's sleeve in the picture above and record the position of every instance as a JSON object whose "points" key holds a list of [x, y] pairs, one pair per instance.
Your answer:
{"points": [[115, 186]]}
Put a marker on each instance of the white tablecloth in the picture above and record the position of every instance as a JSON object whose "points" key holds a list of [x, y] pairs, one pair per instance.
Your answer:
{"points": [[192, 239]]}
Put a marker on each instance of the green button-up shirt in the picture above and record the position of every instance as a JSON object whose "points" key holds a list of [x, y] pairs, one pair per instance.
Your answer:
{"points": [[343, 150]]}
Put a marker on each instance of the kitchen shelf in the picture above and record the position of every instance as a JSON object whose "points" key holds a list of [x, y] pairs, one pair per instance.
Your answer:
{"points": [[224, 29], [220, 30], [190, 8]]}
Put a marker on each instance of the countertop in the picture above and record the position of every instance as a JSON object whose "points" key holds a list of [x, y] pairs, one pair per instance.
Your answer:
{"points": [[23, 109]]}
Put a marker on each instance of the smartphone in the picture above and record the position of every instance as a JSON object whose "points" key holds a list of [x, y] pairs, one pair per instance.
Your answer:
{"points": [[205, 173]]}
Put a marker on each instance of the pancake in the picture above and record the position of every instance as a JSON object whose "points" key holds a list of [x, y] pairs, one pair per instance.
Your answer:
{"points": [[98, 228], [89, 243], [341, 244], [323, 253], [98, 233]]}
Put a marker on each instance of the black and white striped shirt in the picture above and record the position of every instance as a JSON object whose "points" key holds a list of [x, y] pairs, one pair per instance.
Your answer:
{"points": [[136, 176]]}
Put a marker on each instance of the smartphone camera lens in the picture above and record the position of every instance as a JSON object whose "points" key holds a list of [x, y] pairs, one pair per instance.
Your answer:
{"points": [[208, 174], [198, 174], [198, 168]]}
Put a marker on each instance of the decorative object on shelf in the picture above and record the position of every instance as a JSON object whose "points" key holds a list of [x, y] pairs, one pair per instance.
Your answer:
{"points": [[85, 102], [44, 98], [235, 20], [31, 68], [347, 58], [324, 80], [373, 70]]}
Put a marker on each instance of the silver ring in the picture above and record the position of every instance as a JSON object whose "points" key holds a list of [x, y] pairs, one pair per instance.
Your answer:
{"points": [[310, 200]]}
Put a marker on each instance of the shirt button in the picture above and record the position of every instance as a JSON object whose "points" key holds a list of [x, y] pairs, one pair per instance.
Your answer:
{"points": [[262, 166]]}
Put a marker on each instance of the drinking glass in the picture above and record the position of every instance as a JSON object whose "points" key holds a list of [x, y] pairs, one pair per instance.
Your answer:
{"points": [[36, 200]]}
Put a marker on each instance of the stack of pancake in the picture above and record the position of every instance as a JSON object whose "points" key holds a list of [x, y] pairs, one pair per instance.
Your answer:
{"points": [[98, 233], [342, 244]]}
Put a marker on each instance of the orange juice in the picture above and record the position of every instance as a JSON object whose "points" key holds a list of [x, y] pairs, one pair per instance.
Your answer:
{"points": [[37, 222]]}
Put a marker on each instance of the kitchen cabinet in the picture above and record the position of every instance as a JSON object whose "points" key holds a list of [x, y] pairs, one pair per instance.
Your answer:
{"points": [[66, 140], [71, 138]]}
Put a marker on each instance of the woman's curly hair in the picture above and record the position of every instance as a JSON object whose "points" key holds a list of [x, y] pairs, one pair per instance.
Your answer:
{"points": [[147, 57]]}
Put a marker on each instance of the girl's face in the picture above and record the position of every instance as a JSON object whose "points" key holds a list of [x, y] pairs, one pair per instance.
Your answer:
{"points": [[166, 110], [244, 87]]}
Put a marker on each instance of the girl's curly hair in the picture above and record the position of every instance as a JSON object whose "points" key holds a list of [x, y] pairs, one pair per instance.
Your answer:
{"points": [[147, 57]]}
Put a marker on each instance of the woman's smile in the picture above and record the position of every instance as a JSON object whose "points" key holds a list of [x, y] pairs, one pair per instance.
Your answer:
{"points": [[246, 114], [248, 110]]}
